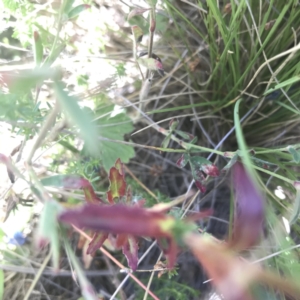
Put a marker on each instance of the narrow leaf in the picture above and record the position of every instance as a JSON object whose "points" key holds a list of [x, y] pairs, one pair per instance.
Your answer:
{"points": [[77, 10], [166, 141], [152, 3], [54, 55], [48, 230], [283, 84], [117, 188], [231, 162], [263, 163], [38, 49], [137, 33], [183, 160], [136, 12], [130, 250], [78, 117], [295, 154], [73, 182], [120, 167], [296, 208], [97, 242], [173, 124], [27, 79], [68, 6], [1, 284], [184, 135], [194, 140], [170, 250], [66, 181]]}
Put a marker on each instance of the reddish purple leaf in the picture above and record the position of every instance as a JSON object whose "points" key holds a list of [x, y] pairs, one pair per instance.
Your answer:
{"points": [[96, 242], [90, 195], [199, 166], [210, 170], [128, 195], [118, 219], [200, 186], [77, 182], [120, 240], [120, 167], [130, 250], [249, 209], [117, 188], [182, 161], [170, 250]]}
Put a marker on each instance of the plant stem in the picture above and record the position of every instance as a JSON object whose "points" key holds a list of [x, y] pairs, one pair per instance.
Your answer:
{"points": [[151, 35]]}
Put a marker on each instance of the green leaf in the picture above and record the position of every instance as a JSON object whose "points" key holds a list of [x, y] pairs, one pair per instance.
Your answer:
{"points": [[244, 153], [27, 79], [1, 284], [296, 209], [183, 160], [77, 10], [38, 48], [152, 3], [283, 84], [263, 163], [54, 55], [78, 117], [295, 154], [183, 134], [137, 34], [166, 140], [151, 63], [194, 140], [68, 6], [231, 162], [173, 125], [48, 230], [2, 234], [68, 146], [113, 127], [55, 180], [198, 161]]}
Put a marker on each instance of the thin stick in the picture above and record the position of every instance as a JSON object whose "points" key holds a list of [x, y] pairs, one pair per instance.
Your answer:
{"points": [[37, 276], [141, 184]]}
